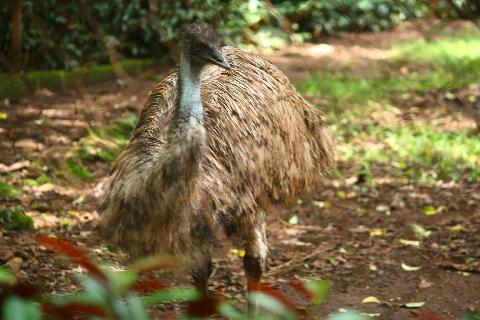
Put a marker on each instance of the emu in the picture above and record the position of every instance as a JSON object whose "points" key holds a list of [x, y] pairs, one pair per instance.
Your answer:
{"points": [[219, 141]]}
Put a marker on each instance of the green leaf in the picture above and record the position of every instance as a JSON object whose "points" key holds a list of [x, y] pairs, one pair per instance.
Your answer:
{"points": [[430, 210], [30, 183], [175, 294], [348, 315], [15, 308], [471, 316], [121, 281], [228, 311], [78, 170], [269, 303], [319, 289], [9, 190], [3, 116], [6, 276], [136, 309]]}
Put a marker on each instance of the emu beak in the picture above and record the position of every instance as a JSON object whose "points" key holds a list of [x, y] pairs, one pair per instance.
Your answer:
{"points": [[219, 59]]}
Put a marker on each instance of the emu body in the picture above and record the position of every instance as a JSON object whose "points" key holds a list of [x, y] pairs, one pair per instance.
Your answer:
{"points": [[250, 141]]}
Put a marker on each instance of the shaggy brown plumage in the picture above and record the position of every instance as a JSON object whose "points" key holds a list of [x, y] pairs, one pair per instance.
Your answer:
{"points": [[261, 143]]}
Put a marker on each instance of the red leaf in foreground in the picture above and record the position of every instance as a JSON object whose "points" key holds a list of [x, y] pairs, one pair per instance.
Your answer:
{"points": [[300, 287], [73, 310], [148, 286], [21, 289], [153, 263], [429, 315], [277, 294], [205, 307], [73, 252]]}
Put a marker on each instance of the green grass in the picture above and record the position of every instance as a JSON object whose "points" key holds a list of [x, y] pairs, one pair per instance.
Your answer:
{"points": [[17, 85], [99, 144], [448, 49], [443, 64], [364, 116]]}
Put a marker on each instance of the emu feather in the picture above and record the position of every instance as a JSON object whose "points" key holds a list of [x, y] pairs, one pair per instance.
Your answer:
{"points": [[259, 143]]}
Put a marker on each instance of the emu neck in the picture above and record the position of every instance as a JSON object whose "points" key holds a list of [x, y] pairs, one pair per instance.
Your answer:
{"points": [[190, 103], [187, 140]]}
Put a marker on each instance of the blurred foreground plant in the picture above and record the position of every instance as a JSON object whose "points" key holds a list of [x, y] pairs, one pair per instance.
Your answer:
{"points": [[127, 295]]}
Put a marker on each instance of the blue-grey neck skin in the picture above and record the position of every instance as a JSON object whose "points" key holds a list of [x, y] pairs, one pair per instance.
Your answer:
{"points": [[190, 103]]}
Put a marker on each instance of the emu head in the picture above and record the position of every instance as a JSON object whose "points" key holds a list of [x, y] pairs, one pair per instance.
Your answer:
{"points": [[204, 46]]}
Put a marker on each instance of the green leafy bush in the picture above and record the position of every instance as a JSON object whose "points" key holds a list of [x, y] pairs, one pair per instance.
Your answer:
{"points": [[67, 34], [366, 15], [58, 34]]}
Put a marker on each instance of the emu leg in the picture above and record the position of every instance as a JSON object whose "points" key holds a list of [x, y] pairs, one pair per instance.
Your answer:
{"points": [[253, 270], [201, 266], [200, 275], [255, 256]]}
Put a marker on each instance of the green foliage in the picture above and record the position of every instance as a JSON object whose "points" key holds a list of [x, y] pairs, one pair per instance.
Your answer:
{"points": [[15, 308], [348, 315], [427, 154], [77, 170], [351, 15], [59, 34], [9, 190], [17, 85], [471, 316], [6, 276], [365, 117], [124, 295], [16, 219], [100, 145]]}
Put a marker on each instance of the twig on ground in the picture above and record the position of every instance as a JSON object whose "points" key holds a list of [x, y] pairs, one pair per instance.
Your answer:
{"points": [[319, 229], [294, 262]]}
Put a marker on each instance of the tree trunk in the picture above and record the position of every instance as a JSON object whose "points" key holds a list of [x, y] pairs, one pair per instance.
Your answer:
{"points": [[102, 37], [16, 29]]}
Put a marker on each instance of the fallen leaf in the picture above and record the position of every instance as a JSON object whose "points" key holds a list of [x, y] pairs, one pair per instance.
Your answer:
{"points": [[14, 167], [44, 187], [15, 265], [321, 204], [371, 299], [378, 232], [424, 284], [341, 194], [80, 200], [458, 228], [371, 314], [430, 210], [238, 252], [404, 242], [420, 231], [414, 304], [293, 219], [382, 208], [359, 229], [406, 267]]}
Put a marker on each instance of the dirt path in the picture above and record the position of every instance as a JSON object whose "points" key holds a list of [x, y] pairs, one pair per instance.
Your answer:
{"points": [[356, 235]]}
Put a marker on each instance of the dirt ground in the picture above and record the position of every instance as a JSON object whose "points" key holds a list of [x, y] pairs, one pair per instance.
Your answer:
{"points": [[349, 233]]}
